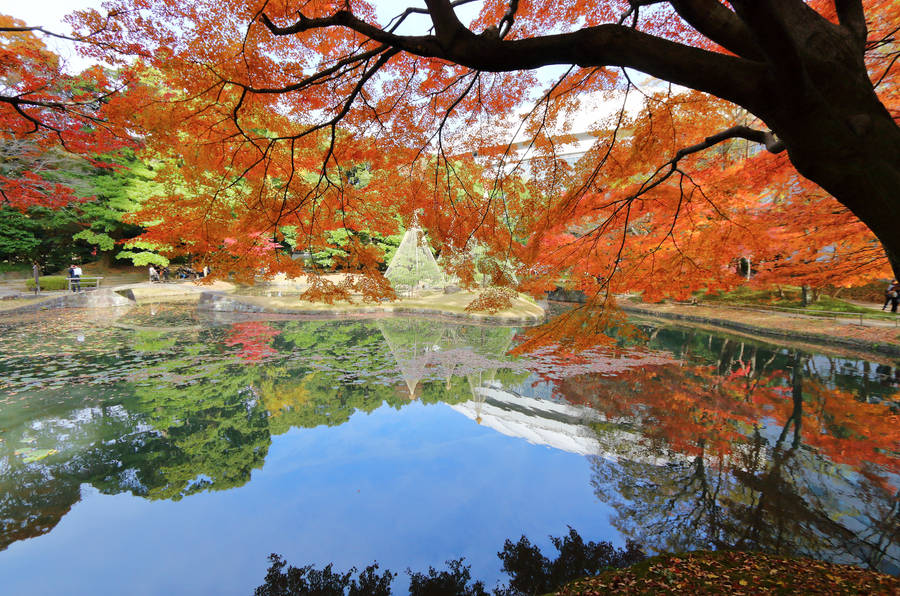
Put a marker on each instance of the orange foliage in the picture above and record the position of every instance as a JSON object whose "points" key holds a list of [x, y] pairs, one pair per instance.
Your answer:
{"points": [[45, 109], [692, 410], [492, 300], [325, 128]]}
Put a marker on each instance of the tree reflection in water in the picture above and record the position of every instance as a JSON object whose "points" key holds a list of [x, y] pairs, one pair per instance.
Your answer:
{"points": [[529, 570], [197, 412], [751, 450]]}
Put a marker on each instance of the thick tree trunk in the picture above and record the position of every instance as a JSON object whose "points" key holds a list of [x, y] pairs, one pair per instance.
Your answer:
{"points": [[821, 103], [805, 298], [856, 158]]}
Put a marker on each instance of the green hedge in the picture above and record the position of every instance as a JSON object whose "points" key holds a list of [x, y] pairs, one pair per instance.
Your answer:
{"points": [[49, 282]]}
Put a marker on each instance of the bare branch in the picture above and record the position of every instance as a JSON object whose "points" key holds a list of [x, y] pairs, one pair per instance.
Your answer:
{"points": [[767, 138], [887, 70], [633, 8]]}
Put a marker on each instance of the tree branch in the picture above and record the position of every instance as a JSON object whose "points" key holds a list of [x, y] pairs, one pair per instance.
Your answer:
{"points": [[508, 19], [767, 138], [716, 22], [633, 11], [851, 15], [732, 78], [446, 24]]}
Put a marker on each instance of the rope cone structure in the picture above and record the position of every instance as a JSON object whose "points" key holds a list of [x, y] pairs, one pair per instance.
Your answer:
{"points": [[414, 266]]}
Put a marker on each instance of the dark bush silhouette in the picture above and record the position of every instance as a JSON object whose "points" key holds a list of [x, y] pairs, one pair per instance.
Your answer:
{"points": [[529, 570], [445, 583], [533, 573], [313, 582]]}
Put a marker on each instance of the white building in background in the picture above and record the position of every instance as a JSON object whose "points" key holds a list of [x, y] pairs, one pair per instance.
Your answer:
{"points": [[552, 423]]}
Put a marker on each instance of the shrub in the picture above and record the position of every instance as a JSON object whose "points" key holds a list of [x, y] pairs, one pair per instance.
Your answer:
{"points": [[492, 300], [49, 282]]}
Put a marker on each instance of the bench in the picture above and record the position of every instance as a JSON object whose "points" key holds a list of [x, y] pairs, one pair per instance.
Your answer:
{"points": [[85, 283]]}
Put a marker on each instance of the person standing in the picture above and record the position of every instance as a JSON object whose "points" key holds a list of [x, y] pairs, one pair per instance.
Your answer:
{"points": [[36, 271], [154, 276], [74, 278], [890, 294], [895, 296]]}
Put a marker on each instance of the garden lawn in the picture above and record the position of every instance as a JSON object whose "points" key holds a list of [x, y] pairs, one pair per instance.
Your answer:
{"points": [[789, 297]]}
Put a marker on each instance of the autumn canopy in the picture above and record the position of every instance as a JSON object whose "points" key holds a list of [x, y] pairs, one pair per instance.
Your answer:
{"points": [[768, 135]]}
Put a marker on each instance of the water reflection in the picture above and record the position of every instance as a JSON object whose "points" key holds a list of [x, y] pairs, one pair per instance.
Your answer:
{"points": [[695, 440], [755, 449], [184, 409]]}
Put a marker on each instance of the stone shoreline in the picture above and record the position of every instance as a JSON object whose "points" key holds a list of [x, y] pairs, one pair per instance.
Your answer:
{"points": [[876, 339], [219, 297], [231, 303], [879, 337]]}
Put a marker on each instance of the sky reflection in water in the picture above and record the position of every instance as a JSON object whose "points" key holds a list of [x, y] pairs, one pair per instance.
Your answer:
{"points": [[128, 448]]}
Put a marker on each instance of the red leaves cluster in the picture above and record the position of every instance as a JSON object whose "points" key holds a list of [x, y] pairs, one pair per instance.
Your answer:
{"points": [[278, 135], [253, 337]]}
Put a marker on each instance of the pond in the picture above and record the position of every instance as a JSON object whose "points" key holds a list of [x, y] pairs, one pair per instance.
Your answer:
{"points": [[159, 450]]}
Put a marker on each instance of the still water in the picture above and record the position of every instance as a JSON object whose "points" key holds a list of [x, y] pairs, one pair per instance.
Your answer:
{"points": [[157, 450]]}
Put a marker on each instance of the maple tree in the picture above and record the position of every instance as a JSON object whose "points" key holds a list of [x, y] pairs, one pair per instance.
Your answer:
{"points": [[52, 121], [276, 102], [289, 122]]}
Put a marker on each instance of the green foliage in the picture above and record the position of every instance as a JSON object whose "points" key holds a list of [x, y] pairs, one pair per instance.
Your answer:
{"points": [[332, 255], [17, 241], [455, 582], [14, 268], [54, 237], [530, 572], [153, 341], [103, 241], [533, 573], [41, 235], [49, 282], [143, 258], [148, 255], [308, 580]]}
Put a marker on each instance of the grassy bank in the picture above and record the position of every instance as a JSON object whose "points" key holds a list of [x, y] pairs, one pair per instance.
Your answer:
{"points": [[789, 298]]}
